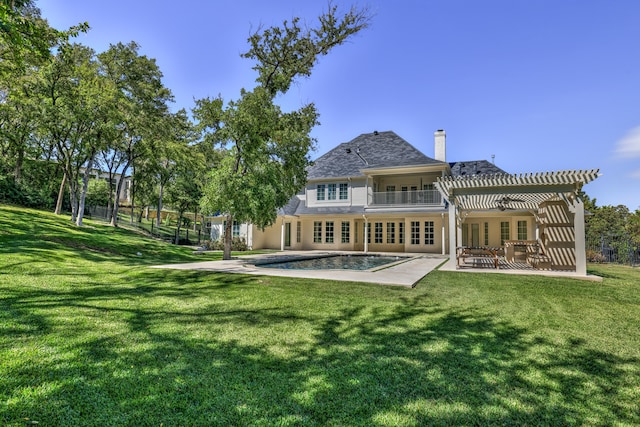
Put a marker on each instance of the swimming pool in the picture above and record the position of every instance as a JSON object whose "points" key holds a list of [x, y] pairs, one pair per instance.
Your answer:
{"points": [[335, 262]]}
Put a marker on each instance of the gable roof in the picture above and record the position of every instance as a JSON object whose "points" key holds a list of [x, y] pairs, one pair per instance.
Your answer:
{"points": [[369, 150]]}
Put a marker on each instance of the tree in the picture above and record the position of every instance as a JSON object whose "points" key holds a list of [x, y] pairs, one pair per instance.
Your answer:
{"points": [[74, 116], [142, 103], [264, 151], [184, 190]]}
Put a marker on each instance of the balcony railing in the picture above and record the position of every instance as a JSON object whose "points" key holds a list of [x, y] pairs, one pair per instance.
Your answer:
{"points": [[407, 198]]}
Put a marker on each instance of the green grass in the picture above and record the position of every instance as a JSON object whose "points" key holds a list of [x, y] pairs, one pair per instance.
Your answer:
{"points": [[91, 336]]}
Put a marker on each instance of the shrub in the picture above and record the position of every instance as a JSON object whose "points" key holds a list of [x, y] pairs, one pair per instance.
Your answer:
{"points": [[597, 257], [238, 244]]}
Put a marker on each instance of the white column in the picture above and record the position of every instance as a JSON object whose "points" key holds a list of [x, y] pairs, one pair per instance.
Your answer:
{"points": [[578, 225], [282, 236], [366, 241], [452, 233], [444, 250]]}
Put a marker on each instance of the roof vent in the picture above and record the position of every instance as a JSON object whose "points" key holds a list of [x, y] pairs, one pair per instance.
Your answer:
{"points": [[375, 132]]}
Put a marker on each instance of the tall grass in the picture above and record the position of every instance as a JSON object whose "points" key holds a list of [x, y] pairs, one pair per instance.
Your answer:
{"points": [[90, 336]]}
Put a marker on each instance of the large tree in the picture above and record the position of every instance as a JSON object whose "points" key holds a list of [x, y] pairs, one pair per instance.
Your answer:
{"points": [[74, 116], [143, 106], [265, 151]]}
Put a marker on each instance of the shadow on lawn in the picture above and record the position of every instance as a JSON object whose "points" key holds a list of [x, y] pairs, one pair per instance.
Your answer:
{"points": [[223, 363]]}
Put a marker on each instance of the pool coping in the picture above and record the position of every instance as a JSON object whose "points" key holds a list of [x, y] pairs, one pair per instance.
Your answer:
{"points": [[403, 273]]}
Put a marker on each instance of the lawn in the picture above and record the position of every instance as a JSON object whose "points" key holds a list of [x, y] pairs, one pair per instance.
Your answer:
{"points": [[91, 336]]}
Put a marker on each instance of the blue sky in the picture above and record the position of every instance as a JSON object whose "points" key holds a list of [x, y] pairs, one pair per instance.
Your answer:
{"points": [[541, 84]]}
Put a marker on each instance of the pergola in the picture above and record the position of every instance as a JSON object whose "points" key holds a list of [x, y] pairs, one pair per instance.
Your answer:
{"points": [[520, 192]]}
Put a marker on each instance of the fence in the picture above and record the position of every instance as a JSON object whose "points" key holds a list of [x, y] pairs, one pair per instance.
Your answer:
{"points": [[620, 249], [188, 236]]}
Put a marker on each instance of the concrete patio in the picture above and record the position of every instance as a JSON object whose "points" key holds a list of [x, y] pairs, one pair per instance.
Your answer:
{"points": [[403, 273]]}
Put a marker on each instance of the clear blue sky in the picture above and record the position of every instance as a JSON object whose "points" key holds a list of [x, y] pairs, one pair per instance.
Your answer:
{"points": [[541, 84]]}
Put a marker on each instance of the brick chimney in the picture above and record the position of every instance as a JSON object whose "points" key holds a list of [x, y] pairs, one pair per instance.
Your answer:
{"points": [[440, 145]]}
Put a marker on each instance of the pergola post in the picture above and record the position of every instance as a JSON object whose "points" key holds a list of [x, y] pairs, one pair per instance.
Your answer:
{"points": [[452, 232], [578, 224]]}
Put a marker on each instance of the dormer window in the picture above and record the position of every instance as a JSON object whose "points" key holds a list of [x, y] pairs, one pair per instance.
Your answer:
{"points": [[320, 191], [332, 191]]}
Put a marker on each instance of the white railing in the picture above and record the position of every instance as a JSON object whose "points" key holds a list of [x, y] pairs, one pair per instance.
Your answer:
{"points": [[407, 198]]}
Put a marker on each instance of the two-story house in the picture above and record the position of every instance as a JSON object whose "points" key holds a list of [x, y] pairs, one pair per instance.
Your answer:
{"points": [[378, 193]]}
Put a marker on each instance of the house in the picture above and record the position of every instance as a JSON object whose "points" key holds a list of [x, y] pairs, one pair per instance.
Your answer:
{"points": [[378, 193]]}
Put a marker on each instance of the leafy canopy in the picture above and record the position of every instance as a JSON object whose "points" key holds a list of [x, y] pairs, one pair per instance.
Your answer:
{"points": [[264, 152]]}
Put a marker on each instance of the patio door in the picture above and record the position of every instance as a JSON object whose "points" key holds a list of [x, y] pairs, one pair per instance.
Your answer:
{"points": [[287, 234], [475, 235]]}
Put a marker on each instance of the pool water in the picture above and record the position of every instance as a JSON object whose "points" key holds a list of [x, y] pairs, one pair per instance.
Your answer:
{"points": [[335, 262]]}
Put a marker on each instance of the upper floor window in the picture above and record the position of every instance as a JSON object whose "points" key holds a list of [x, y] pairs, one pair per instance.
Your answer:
{"points": [[332, 192], [344, 191], [337, 191]]}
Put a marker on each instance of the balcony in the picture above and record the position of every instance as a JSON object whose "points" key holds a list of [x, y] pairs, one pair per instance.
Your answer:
{"points": [[407, 198]]}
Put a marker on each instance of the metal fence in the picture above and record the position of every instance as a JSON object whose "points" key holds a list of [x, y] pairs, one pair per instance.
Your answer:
{"points": [[188, 236], [620, 249]]}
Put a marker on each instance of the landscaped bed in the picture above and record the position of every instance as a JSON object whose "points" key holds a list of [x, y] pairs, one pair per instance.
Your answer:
{"points": [[90, 336]]}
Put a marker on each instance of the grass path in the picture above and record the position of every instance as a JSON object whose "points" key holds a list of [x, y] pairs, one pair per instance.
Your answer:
{"points": [[90, 336]]}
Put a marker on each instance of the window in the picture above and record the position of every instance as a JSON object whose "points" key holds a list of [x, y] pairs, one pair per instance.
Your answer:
{"points": [[368, 227], [429, 233], [414, 193], [317, 232], [405, 190], [298, 232], [391, 232], [345, 232], [415, 232], [332, 191], [430, 193], [331, 195], [328, 232], [344, 191], [355, 232], [401, 233], [504, 232], [522, 230], [486, 234], [391, 194], [465, 234], [235, 228], [378, 232]]}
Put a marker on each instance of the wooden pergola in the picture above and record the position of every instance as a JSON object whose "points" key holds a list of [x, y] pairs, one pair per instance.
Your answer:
{"points": [[520, 192]]}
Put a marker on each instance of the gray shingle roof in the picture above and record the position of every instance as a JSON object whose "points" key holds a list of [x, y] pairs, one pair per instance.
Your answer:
{"points": [[474, 167], [369, 150]]}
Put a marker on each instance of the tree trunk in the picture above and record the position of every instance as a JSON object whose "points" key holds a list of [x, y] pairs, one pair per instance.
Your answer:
{"points": [[58, 210], [17, 173], [228, 234], [160, 191], [178, 228], [83, 194], [116, 201], [195, 219]]}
